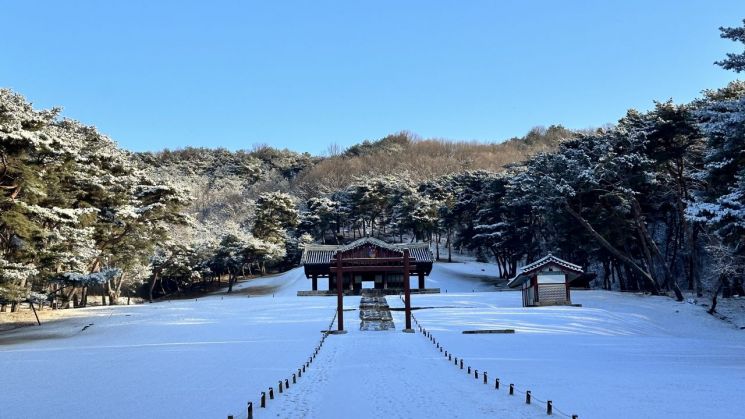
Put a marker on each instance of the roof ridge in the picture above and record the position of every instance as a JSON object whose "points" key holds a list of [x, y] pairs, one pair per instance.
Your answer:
{"points": [[549, 258], [359, 242]]}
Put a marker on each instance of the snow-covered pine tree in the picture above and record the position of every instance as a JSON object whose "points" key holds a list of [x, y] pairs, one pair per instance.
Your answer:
{"points": [[735, 62]]}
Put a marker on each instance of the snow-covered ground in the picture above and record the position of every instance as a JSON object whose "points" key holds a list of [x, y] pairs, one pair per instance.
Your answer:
{"points": [[185, 359], [618, 356]]}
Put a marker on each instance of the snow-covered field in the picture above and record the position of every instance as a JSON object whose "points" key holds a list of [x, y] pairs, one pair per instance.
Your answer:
{"points": [[185, 359], [618, 356]]}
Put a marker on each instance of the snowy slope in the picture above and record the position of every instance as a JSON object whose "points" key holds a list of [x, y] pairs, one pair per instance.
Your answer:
{"points": [[618, 356], [464, 277]]}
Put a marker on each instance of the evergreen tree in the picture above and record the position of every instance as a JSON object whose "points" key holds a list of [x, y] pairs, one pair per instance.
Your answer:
{"points": [[735, 62]]}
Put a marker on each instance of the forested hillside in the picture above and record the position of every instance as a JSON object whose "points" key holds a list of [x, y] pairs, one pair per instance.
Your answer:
{"points": [[76, 212], [655, 202]]}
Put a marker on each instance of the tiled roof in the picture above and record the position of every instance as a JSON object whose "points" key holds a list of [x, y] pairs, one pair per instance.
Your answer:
{"points": [[548, 259], [370, 240], [317, 254], [420, 252]]}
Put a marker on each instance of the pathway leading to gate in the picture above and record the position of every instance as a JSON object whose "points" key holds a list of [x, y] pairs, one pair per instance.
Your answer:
{"points": [[390, 374], [374, 311]]}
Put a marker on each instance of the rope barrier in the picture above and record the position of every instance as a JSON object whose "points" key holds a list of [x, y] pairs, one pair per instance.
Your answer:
{"points": [[284, 385], [529, 398], [550, 409]]}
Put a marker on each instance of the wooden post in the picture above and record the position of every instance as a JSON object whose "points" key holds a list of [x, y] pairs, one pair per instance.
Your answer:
{"points": [[31, 303], [315, 282], [407, 292], [421, 280], [339, 293]]}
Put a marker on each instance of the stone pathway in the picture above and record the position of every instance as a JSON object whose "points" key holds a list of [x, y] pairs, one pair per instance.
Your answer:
{"points": [[392, 375], [374, 311]]}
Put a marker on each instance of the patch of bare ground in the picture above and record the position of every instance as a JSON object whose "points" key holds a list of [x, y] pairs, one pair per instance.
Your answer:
{"points": [[24, 317], [243, 286], [257, 290], [10, 340]]}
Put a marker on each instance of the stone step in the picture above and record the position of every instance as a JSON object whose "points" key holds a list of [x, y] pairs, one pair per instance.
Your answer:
{"points": [[375, 314]]}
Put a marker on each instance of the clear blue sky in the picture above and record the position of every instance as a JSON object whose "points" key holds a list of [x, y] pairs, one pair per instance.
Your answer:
{"points": [[302, 75]]}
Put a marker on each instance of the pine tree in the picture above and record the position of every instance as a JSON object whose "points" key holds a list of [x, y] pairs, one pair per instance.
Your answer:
{"points": [[735, 62]]}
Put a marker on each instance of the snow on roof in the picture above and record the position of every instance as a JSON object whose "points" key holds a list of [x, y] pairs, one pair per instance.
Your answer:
{"points": [[369, 240], [522, 273], [319, 254]]}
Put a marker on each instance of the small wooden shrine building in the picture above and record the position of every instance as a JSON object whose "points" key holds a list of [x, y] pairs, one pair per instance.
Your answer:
{"points": [[367, 260], [546, 281]]}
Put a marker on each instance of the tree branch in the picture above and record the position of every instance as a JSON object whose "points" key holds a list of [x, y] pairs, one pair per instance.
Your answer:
{"points": [[651, 284]]}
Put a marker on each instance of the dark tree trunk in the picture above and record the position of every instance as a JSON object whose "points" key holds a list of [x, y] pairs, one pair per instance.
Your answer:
{"points": [[450, 245], [649, 281], [720, 286], [649, 243], [69, 297], [152, 286], [231, 280], [606, 274]]}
